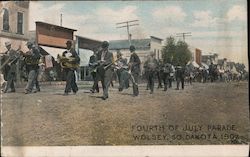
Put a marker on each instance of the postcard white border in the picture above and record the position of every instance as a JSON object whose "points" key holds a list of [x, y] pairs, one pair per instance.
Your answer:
{"points": [[128, 151]]}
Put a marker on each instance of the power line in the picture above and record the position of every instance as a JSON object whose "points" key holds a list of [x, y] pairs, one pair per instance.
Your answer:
{"points": [[127, 24], [183, 35]]}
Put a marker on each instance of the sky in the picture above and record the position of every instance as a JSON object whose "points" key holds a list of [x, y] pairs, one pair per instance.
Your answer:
{"points": [[217, 26]]}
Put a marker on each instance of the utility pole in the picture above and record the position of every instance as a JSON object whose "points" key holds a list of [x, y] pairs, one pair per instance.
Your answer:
{"points": [[183, 35], [61, 21], [127, 24]]}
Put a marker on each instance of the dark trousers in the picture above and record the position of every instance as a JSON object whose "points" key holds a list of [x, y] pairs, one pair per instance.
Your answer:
{"points": [[124, 78], [134, 77], [170, 81], [120, 77], [159, 77], [105, 78], [151, 80], [10, 81], [70, 81], [95, 86], [166, 77], [36, 81], [146, 77], [32, 78], [178, 82]]}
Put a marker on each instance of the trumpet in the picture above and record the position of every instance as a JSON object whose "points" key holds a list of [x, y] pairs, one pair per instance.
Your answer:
{"points": [[67, 62]]}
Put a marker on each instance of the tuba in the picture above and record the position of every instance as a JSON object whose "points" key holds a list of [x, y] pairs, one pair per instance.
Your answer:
{"points": [[67, 62]]}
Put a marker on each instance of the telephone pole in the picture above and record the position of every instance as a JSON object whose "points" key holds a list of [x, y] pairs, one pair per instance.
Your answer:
{"points": [[61, 21], [127, 24], [183, 35]]}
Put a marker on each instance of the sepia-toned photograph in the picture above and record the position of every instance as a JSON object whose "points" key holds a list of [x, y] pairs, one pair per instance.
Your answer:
{"points": [[140, 75]]}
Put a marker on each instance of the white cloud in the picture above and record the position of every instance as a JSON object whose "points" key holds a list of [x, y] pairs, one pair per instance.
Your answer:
{"points": [[170, 13], [50, 14], [109, 15], [204, 19], [237, 12], [100, 23], [94, 25], [219, 34]]}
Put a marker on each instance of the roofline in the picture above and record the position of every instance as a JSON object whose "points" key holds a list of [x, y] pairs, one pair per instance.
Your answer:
{"points": [[156, 38], [131, 39], [88, 38], [209, 54], [44, 23]]}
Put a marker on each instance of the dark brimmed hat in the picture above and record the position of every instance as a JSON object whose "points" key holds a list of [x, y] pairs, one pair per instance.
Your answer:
{"points": [[69, 42], [105, 44], [29, 43], [132, 48], [7, 43], [119, 53]]}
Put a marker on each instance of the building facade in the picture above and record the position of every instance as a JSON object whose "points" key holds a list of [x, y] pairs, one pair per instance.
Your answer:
{"points": [[51, 40], [143, 47], [14, 22], [84, 47], [210, 58]]}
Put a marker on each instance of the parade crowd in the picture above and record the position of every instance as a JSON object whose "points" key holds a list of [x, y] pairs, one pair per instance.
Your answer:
{"points": [[104, 68]]}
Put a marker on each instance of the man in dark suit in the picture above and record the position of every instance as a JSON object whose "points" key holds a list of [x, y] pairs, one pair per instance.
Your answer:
{"points": [[134, 64], [180, 75], [151, 66], [93, 68], [69, 71], [32, 58], [105, 70], [166, 75], [10, 68]]}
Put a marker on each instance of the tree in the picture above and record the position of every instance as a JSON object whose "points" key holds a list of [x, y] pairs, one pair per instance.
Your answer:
{"points": [[176, 53], [182, 54], [168, 50]]}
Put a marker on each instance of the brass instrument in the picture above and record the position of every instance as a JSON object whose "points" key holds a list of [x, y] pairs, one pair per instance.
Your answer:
{"points": [[30, 61], [7, 61], [67, 62]]}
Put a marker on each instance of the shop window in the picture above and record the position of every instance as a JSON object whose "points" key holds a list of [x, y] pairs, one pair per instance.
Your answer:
{"points": [[20, 23], [6, 26]]}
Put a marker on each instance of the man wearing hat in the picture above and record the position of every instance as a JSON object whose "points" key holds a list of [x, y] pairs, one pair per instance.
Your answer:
{"points": [[105, 70], [31, 59], [166, 75], [10, 68], [122, 71], [151, 65], [180, 76], [69, 71], [134, 64], [93, 69]]}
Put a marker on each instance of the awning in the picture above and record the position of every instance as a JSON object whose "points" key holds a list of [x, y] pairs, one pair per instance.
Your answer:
{"points": [[84, 55], [53, 51], [195, 64], [205, 65]]}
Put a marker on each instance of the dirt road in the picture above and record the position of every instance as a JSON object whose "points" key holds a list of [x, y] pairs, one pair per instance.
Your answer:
{"points": [[212, 113]]}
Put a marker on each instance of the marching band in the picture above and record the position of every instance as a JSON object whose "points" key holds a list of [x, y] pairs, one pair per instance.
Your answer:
{"points": [[102, 68]]}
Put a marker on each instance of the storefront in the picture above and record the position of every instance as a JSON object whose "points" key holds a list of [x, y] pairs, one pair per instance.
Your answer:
{"points": [[52, 39], [84, 47]]}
